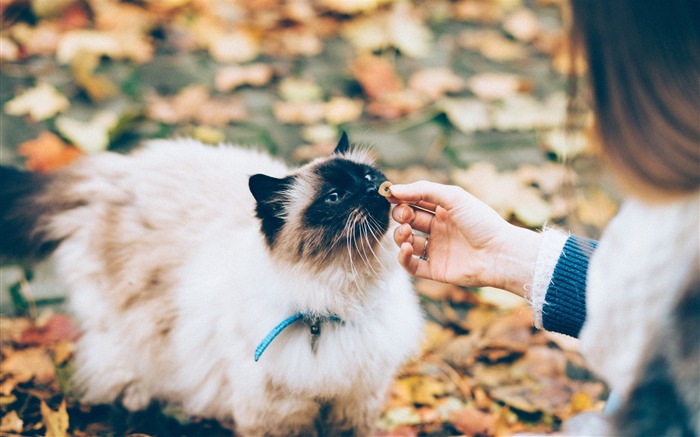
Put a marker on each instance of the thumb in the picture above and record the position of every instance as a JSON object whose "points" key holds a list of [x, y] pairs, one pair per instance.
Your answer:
{"points": [[446, 196]]}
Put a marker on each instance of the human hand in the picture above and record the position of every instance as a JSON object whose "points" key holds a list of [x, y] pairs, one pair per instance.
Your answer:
{"points": [[469, 243]]}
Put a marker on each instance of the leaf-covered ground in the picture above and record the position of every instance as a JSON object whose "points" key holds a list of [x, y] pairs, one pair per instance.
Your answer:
{"points": [[469, 92]]}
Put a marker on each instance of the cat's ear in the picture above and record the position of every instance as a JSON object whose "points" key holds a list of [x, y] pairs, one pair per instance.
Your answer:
{"points": [[343, 144], [270, 195], [266, 188]]}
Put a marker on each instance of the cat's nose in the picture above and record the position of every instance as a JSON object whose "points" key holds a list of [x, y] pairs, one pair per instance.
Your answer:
{"points": [[372, 187]]}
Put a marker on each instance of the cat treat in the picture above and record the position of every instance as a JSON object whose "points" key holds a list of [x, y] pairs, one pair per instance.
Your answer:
{"points": [[384, 189]]}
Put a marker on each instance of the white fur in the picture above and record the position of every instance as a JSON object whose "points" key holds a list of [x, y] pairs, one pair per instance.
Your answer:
{"points": [[227, 293]]}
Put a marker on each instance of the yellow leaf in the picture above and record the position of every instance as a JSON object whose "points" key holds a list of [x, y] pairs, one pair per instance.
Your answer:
{"points": [[55, 422], [11, 423], [29, 363], [40, 103]]}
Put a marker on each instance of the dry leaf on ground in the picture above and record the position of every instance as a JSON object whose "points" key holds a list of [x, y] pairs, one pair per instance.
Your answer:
{"points": [[47, 153]]}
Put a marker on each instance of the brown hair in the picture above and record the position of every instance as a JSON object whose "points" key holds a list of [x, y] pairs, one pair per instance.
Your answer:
{"points": [[643, 61]]}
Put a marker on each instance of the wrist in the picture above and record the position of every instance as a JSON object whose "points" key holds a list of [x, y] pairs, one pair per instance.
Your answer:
{"points": [[515, 260]]}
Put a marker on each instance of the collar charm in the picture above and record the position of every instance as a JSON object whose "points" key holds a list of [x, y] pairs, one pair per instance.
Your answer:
{"points": [[312, 321]]}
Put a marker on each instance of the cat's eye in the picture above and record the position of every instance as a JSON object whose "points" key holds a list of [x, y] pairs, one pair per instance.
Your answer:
{"points": [[369, 177], [333, 197]]}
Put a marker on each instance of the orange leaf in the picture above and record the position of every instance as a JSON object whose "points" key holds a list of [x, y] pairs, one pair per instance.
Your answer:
{"points": [[47, 153], [376, 75]]}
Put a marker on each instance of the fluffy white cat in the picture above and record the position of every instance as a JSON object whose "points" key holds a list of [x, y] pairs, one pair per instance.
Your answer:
{"points": [[184, 260]]}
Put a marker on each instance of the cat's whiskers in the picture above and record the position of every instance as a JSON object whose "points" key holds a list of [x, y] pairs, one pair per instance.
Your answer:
{"points": [[372, 221]]}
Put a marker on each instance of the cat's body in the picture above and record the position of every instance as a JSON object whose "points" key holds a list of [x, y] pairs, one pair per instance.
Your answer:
{"points": [[175, 282]]}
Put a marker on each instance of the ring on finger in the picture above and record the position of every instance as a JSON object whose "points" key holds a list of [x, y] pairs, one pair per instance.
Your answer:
{"points": [[424, 256]]}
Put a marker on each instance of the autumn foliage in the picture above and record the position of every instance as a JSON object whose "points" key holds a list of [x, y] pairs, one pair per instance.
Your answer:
{"points": [[468, 92]]}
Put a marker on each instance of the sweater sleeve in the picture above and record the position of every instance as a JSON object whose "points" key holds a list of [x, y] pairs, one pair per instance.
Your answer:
{"points": [[558, 295], [564, 308]]}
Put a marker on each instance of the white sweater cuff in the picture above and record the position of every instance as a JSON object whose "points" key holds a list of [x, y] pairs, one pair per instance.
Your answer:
{"points": [[547, 256]]}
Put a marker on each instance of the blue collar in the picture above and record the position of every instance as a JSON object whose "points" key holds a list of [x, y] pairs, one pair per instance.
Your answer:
{"points": [[314, 322]]}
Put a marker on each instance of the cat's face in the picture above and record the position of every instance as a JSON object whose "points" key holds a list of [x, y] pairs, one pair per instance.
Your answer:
{"points": [[328, 211]]}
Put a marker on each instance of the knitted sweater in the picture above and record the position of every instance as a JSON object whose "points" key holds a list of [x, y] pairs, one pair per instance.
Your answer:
{"points": [[558, 295], [644, 261]]}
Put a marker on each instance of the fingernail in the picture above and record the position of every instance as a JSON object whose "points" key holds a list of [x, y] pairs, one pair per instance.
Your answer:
{"points": [[396, 189]]}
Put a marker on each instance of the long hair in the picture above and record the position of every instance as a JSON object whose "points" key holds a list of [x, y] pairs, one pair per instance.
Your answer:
{"points": [[643, 61]]}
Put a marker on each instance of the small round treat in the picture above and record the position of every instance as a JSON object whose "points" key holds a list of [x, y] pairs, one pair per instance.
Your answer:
{"points": [[384, 189]]}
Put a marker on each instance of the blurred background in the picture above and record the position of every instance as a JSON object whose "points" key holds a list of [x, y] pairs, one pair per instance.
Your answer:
{"points": [[467, 92]]}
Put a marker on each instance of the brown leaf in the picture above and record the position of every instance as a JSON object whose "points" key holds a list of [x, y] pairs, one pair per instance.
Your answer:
{"points": [[508, 334], [473, 422], [55, 422], [47, 153], [376, 75]]}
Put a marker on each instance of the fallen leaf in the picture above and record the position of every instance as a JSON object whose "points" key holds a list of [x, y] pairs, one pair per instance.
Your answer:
{"points": [[9, 51], [194, 104], [58, 327], [234, 76], [97, 86], [89, 136], [340, 110], [50, 8], [47, 153], [490, 86], [114, 44], [39, 40], [298, 89], [299, 112], [500, 298], [238, 45], [492, 45], [391, 106], [55, 422], [29, 363], [565, 145], [39, 103], [320, 134], [478, 10], [473, 422], [436, 82], [11, 423], [352, 6], [376, 75], [467, 115], [521, 112], [522, 24], [407, 32], [292, 42]]}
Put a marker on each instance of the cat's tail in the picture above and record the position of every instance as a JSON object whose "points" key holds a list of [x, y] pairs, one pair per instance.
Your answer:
{"points": [[28, 200]]}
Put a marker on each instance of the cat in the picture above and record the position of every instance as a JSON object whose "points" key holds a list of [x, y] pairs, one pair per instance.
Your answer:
{"points": [[221, 281]]}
